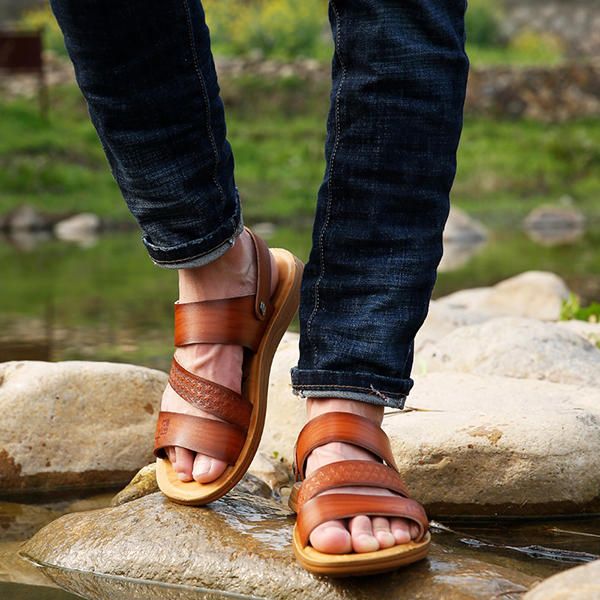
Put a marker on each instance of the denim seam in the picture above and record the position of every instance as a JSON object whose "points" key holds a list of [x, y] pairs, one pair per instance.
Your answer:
{"points": [[206, 100], [336, 144], [370, 390]]}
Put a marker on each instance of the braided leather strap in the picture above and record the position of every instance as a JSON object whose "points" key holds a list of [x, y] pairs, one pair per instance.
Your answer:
{"points": [[211, 397]]}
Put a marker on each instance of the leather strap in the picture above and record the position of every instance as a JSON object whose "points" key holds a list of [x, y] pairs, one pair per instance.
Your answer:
{"points": [[262, 302], [222, 441], [240, 320], [347, 473], [328, 507], [342, 427], [211, 397]]}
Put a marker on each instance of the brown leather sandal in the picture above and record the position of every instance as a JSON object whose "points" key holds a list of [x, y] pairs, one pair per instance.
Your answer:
{"points": [[314, 509], [257, 322]]}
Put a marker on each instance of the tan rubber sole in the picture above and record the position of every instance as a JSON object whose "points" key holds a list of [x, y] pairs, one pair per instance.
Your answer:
{"points": [[356, 565], [255, 387]]}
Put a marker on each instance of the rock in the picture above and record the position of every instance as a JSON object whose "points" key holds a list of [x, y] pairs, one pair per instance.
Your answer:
{"points": [[276, 472], [444, 318], [472, 445], [514, 347], [238, 545], [590, 331], [254, 486], [534, 294], [26, 218], [142, 484], [578, 583], [285, 411], [476, 445], [457, 255], [82, 229], [554, 225], [75, 424], [463, 229]]}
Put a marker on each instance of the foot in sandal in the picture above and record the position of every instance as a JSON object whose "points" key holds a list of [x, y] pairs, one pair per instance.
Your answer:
{"points": [[354, 513], [234, 274], [361, 533]]}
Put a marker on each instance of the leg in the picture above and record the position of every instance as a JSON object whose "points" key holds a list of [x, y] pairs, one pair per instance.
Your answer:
{"points": [[147, 73], [399, 77]]}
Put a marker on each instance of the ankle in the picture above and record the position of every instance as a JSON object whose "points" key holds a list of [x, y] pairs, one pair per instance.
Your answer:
{"points": [[232, 274], [319, 406]]}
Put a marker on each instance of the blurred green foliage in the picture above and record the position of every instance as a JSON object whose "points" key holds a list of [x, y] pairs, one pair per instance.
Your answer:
{"points": [[287, 29], [284, 29], [483, 23], [572, 309]]}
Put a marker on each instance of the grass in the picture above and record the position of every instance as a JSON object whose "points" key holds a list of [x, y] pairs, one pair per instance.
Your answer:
{"points": [[277, 131]]}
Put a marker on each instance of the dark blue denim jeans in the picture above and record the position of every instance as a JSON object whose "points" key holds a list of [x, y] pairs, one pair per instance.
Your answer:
{"points": [[399, 78]]}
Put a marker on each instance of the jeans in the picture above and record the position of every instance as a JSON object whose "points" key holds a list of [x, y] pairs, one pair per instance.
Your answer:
{"points": [[399, 77]]}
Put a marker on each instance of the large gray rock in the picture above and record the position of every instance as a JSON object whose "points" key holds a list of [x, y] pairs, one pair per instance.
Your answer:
{"points": [[476, 445], [534, 294], [512, 347], [579, 583], [239, 545], [75, 424]]}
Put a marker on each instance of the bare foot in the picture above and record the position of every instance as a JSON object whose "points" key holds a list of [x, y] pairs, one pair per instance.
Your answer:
{"points": [[233, 274], [361, 533]]}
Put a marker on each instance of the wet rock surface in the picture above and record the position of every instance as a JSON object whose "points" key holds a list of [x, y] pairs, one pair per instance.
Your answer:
{"points": [[105, 411], [240, 545], [579, 583]]}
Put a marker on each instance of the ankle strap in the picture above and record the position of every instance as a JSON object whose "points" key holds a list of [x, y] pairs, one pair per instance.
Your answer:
{"points": [[240, 320]]}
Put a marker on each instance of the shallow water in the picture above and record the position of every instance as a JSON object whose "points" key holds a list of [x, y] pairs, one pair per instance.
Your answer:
{"points": [[104, 300]]}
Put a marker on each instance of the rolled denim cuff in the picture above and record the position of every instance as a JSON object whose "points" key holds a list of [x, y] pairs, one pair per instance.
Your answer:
{"points": [[364, 387], [198, 252]]}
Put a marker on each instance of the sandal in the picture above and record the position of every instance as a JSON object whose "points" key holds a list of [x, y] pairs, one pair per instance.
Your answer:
{"points": [[313, 509], [255, 321]]}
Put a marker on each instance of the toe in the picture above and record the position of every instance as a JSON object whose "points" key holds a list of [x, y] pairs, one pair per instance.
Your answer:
{"points": [[382, 532], [401, 531], [363, 539], [184, 459], [207, 469], [171, 454], [332, 538]]}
